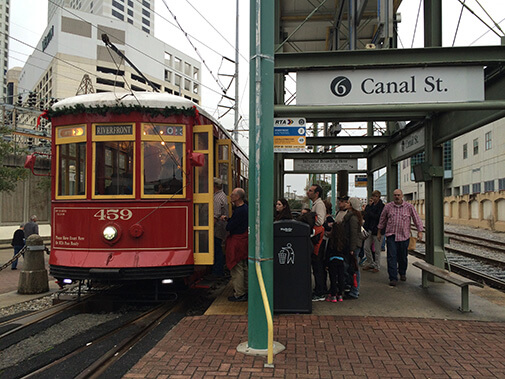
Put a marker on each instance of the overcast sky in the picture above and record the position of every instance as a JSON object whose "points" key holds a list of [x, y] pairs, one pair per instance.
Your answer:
{"points": [[29, 19]]}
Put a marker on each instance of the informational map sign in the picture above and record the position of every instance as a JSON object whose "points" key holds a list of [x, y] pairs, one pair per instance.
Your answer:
{"points": [[324, 165], [360, 181], [390, 86], [289, 135]]}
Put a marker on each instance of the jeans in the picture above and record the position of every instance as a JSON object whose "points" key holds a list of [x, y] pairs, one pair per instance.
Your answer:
{"points": [[17, 249], [218, 267], [370, 261], [337, 277], [239, 278], [397, 257]]}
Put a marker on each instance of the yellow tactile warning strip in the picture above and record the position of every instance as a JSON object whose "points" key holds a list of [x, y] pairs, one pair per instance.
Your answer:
{"points": [[221, 306]]}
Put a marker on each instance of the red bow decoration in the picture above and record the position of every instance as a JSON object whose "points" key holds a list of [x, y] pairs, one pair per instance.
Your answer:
{"points": [[43, 114]]}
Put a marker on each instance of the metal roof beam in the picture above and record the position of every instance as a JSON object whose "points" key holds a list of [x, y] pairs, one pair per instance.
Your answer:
{"points": [[389, 58], [329, 155], [347, 141]]}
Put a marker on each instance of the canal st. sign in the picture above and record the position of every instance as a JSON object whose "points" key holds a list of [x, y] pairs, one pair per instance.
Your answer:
{"points": [[389, 86]]}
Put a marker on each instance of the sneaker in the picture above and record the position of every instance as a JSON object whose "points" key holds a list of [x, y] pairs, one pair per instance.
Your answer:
{"points": [[392, 283], [340, 298], [238, 299], [403, 278], [318, 297], [331, 299]]}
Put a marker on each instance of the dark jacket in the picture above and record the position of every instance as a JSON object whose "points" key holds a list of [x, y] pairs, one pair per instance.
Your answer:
{"points": [[19, 238], [372, 216]]}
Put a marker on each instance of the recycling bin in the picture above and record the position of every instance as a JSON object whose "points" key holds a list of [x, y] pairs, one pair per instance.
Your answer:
{"points": [[292, 269]]}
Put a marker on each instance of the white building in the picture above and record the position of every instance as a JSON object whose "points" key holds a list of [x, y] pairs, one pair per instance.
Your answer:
{"points": [[72, 47], [4, 47], [137, 13]]}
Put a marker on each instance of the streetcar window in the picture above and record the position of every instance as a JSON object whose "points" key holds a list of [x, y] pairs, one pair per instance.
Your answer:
{"points": [[163, 167], [114, 168], [202, 241], [72, 169]]}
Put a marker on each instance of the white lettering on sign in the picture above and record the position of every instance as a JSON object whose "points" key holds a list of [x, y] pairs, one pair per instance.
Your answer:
{"points": [[383, 86]]}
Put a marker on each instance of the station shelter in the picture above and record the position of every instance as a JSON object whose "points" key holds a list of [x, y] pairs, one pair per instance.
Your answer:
{"points": [[344, 58]]}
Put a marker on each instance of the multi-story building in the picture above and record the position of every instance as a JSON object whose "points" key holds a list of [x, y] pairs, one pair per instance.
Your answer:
{"points": [[72, 47], [4, 47], [135, 12], [474, 184]]}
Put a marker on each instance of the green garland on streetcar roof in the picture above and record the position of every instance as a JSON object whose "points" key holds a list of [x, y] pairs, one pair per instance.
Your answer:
{"points": [[102, 110]]}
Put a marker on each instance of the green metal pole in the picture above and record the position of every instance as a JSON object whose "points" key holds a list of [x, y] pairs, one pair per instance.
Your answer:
{"points": [[261, 154]]}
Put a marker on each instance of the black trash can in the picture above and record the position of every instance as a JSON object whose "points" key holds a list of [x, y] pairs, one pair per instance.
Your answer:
{"points": [[292, 270]]}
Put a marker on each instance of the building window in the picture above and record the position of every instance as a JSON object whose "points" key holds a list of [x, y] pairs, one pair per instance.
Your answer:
{"points": [[146, 4], [168, 58], [177, 63], [448, 191], [130, 3], [177, 80], [489, 139], [146, 13], [130, 12], [475, 146], [117, 15], [117, 5], [187, 84], [489, 186], [476, 188], [130, 21], [465, 151], [195, 88], [146, 29], [456, 191], [168, 76], [195, 73], [501, 184], [146, 22], [466, 189]]}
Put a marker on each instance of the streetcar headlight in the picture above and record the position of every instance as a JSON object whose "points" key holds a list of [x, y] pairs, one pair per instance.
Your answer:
{"points": [[67, 281], [109, 233], [167, 281]]}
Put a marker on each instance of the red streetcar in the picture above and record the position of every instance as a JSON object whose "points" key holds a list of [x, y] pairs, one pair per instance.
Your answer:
{"points": [[132, 189]]}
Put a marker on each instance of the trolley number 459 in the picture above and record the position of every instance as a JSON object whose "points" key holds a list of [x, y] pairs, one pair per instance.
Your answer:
{"points": [[113, 214]]}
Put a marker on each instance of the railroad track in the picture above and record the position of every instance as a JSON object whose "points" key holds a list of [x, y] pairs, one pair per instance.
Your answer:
{"points": [[472, 265], [106, 348], [483, 242]]}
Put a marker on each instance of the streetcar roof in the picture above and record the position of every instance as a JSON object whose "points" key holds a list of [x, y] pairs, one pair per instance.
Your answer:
{"points": [[145, 99]]}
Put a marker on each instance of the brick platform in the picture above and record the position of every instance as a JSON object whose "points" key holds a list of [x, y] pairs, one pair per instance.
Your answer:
{"points": [[331, 347]]}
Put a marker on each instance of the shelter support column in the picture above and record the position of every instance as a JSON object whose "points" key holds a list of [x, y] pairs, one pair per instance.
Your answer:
{"points": [[434, 205], [369, 176], [342, 182]]}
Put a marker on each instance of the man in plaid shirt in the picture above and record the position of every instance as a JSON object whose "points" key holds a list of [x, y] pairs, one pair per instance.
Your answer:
{"points": [[395, 218]]}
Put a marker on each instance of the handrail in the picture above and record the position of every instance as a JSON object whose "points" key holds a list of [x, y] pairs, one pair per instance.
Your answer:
{"points": [[270, 324]]}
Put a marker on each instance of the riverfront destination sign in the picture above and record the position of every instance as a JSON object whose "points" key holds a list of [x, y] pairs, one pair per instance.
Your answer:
{"points": [[289, 135], [324, 165], [383, 86]]}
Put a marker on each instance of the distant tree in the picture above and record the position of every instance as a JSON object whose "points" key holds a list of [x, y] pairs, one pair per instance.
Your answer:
{"points": [[9, 175], [295, 205]]}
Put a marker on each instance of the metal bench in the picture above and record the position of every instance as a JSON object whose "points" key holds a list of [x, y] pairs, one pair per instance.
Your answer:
{"points": [[450, 277]]}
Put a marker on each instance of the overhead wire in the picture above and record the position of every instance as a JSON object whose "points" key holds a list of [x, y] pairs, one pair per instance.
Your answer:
{"points": [[480, 19], [417, 20], [457, 26], [491, 18]]}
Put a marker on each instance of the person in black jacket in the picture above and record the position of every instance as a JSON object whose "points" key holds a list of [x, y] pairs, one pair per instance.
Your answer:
{"points": [[18, 242], [372, 215]]}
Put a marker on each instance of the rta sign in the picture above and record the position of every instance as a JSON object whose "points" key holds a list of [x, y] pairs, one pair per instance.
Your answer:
{"points": [[340, 86]]}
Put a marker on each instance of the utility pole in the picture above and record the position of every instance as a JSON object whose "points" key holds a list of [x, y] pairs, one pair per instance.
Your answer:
{"points": [[235, 125]]}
